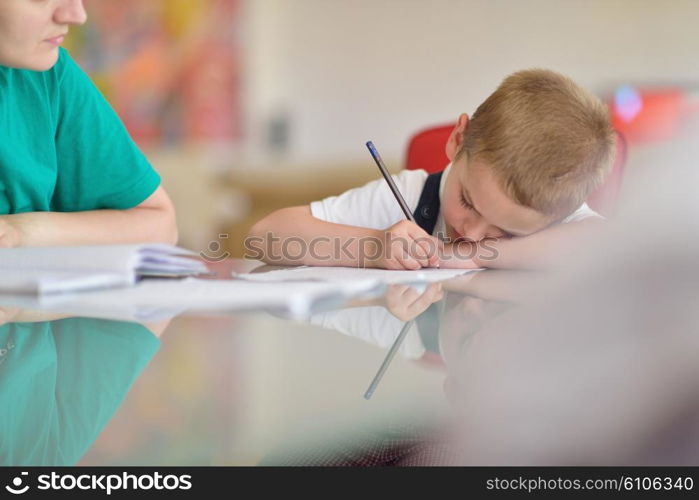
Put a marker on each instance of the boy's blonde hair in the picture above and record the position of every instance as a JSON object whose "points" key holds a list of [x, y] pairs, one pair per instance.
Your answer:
{"points": [[549, 141]]}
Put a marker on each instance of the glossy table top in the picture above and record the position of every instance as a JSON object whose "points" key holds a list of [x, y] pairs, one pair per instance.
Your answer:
{"points": [[481, 376]]}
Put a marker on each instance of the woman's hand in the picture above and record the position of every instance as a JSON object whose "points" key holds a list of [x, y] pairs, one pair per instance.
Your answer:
{"points": [[10, 236], [8, 314]]}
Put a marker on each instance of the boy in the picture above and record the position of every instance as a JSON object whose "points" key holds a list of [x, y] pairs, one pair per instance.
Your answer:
{"points": [[525, 162]]}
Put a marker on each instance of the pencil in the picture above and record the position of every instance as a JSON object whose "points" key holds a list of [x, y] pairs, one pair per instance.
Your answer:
{"points": [[384, 171]]}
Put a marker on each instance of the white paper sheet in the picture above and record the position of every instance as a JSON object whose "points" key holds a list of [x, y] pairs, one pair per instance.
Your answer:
{"points": [[350, 274], [42, 282], [153, 300]]}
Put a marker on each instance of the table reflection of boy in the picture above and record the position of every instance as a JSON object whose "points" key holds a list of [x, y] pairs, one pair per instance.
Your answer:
{"points": [[474, 302], [379, 321], [443, 322]]}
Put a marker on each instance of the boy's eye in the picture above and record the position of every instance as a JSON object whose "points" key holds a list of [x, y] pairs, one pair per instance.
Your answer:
{"points": [[464, 203]]}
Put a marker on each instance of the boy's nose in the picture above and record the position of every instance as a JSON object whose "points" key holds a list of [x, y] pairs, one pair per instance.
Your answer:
{"points": [[70, 12], [476, 230]]}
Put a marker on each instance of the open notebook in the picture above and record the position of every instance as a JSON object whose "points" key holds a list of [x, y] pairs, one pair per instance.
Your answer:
{"points": [[45, 270]]}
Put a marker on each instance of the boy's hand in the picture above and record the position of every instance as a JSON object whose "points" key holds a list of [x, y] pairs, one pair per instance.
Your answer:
{"points": [[406, 303], [9, 234], [406, 245]]}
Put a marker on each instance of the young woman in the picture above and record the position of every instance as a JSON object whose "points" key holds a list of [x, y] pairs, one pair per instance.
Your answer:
{"points": [[69, 172]]}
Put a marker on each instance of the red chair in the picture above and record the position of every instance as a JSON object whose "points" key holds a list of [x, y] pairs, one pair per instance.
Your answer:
{"points": [[426, 152]]}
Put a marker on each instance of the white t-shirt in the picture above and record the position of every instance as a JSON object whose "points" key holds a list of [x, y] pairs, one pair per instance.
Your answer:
{"points": [[374, 206], [373, 324]]}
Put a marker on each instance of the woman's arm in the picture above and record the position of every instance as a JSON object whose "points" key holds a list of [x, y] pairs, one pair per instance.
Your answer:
{"points": [[151, 221]]}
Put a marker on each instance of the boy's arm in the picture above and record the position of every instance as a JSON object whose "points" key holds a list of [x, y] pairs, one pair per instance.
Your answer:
{"points": [[550, 248], [151, 221], [293, 236]]}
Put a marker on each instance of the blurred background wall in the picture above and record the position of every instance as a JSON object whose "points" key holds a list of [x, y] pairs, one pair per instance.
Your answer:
{"points": [[248, 105]]}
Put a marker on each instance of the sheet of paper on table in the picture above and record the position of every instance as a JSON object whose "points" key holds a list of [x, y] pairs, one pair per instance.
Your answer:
{"points": [[351, 274], [35, 282], [157, 299]]}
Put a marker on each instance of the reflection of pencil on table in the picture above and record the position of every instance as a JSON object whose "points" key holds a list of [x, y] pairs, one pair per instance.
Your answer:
{"points": [[384, 366]]}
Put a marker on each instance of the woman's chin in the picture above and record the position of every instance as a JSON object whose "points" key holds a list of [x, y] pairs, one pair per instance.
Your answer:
{"points": [[42, 62]]}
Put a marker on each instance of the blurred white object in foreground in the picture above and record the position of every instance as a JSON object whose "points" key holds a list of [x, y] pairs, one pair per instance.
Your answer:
{"points": [[606, 370]]}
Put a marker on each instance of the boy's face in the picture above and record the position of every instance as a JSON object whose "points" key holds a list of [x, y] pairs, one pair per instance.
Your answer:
{"points": [[32, 30], [474, 206]]}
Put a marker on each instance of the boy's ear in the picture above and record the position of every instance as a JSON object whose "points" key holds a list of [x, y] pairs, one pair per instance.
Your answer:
{"points": [[456, 136]]}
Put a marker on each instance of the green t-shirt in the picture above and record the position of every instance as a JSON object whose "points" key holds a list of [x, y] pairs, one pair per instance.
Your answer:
{"points": [[62, 146]]}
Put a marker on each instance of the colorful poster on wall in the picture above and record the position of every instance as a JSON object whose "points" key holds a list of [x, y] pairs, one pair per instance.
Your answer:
{"points": [[170, 68]]}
